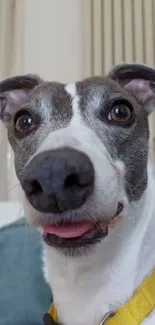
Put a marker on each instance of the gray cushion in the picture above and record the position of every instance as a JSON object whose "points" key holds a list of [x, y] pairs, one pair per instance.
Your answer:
{"points": [[24, 295]]}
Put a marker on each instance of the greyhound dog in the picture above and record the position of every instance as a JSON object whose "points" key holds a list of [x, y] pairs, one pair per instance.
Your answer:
{"points": [[81, 156]]}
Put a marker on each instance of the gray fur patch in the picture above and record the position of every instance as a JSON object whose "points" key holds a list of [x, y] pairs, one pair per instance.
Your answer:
{"points": [[51, 106], [127, 144]]}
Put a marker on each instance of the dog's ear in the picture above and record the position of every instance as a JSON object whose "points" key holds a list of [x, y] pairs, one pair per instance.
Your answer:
{"points": [[139, 80], [13, 93]]}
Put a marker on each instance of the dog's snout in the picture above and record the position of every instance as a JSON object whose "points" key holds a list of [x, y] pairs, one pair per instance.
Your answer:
{"points": [[58, 180]]}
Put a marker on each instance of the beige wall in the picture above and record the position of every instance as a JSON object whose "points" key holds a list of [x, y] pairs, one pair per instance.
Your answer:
{"points": [[54, 39]]}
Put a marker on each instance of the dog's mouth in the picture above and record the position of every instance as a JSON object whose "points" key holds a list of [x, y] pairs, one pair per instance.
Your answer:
{"points": [[71, 236]]}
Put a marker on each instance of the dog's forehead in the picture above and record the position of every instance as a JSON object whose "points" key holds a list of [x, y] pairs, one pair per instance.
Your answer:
{"points": [[50, 99], [51, 91], [94, 91], [96, 83], [58, 102], [61, 95]]}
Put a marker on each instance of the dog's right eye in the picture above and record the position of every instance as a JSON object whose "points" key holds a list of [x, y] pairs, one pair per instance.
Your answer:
{"points": [[121, 113], [24, 122]]}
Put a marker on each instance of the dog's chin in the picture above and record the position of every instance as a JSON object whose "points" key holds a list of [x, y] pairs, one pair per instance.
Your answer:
{"points": [[76, 239]]}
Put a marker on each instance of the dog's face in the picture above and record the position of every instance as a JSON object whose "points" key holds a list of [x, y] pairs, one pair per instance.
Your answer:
{"points": [[80, 150]]}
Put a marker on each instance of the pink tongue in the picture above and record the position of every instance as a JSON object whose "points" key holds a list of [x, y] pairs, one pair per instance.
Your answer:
{"points": [[69, 230]]}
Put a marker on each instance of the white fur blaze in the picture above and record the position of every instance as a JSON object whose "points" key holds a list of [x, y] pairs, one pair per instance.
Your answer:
{"points": [[72, 91]]}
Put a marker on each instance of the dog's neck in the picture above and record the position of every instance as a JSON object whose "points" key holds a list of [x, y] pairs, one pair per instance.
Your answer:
{"points": [[86, 288]]}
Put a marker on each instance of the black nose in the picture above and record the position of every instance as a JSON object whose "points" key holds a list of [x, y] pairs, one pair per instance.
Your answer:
{"points": [[58, 180]]}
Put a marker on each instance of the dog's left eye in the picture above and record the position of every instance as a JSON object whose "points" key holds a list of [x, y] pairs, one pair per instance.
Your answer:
{"points": [[24, 122], [120, 113]]}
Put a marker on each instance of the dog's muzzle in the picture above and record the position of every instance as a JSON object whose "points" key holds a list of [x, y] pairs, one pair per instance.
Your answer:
{"points": [[58, 180]]}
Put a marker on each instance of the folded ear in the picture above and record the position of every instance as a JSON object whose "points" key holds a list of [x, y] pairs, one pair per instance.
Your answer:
{"points": [[139, 80], [13, 93]]}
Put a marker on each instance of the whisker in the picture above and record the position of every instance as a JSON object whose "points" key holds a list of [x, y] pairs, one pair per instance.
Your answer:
{"points": [[131, 187], [132, 210], [12, 188], [38, 244]]}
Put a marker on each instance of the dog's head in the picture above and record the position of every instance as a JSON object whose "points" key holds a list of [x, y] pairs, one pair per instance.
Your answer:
{"points": [[81, 150]]}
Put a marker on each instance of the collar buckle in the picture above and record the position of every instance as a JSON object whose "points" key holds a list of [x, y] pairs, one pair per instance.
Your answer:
{"points": [[107, 316]]}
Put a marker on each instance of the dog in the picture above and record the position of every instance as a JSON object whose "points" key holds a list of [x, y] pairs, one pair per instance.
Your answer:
{"points": [[81, 156]]}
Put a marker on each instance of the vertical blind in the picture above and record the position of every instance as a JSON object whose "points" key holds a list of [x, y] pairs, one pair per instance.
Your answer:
{"points": [[119, 31]]}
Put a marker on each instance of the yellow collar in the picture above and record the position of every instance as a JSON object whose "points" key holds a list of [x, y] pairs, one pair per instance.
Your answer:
{"points": [[133, 312]]}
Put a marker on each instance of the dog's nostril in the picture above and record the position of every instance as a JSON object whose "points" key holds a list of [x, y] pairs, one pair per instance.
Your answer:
{"points": [[36, 187], [76, 180], [71, 180]]}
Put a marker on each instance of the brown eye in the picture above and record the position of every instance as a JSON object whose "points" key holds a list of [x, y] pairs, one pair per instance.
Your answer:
{"points": [[24, 123], [120, 113]]}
